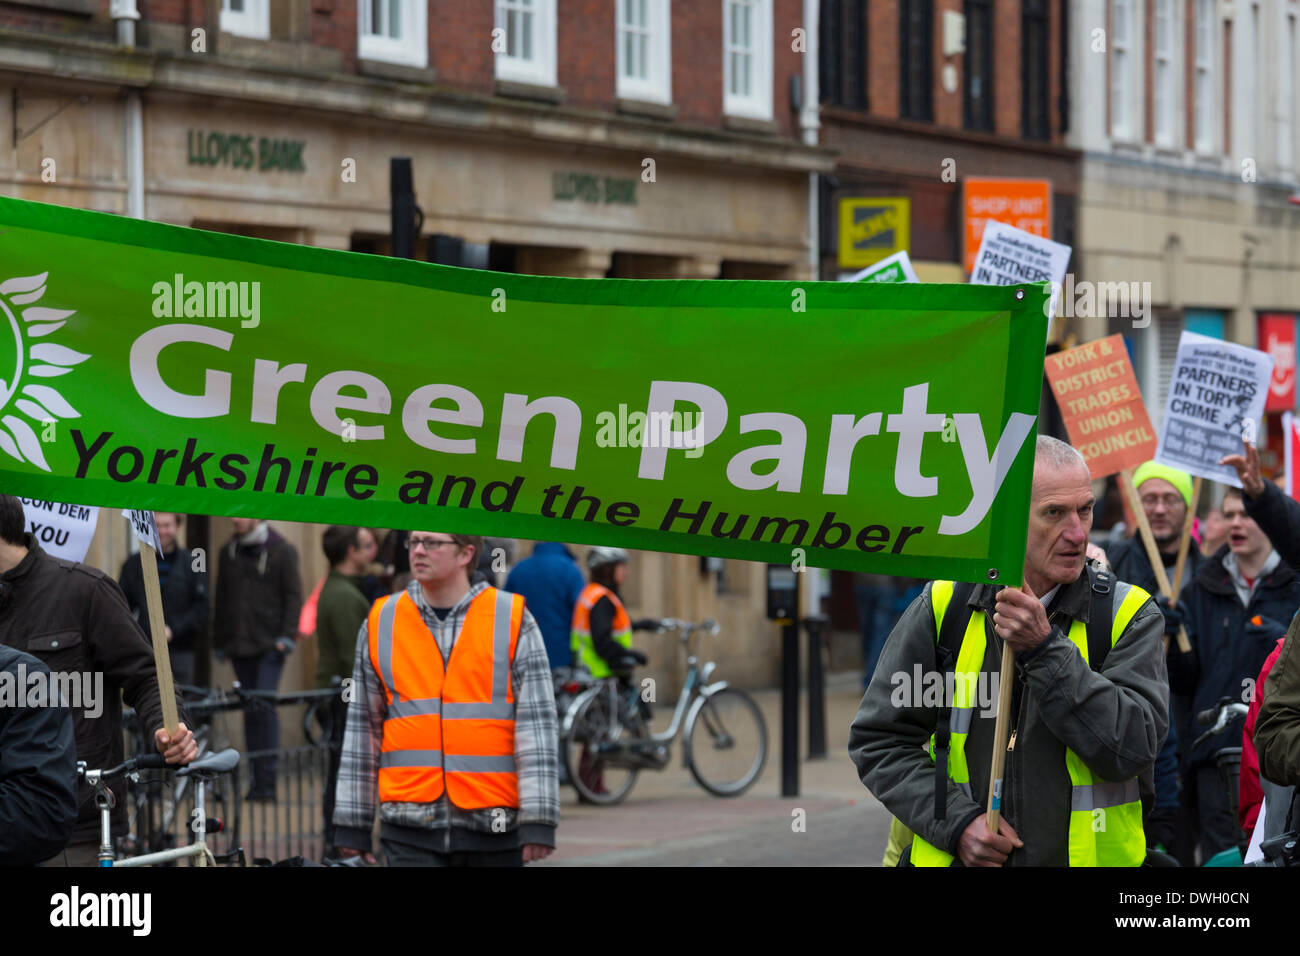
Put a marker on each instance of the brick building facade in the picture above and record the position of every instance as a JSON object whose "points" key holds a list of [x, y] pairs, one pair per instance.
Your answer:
{"points": [[953, 89], [568, 137]]}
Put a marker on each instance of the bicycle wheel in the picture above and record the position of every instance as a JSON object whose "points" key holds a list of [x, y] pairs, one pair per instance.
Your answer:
{"points": [[589, 730], [726, 742]]}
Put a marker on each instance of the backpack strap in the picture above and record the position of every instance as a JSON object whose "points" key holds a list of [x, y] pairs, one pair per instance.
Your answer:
{"points": [[1100, 612], [951, 633]]}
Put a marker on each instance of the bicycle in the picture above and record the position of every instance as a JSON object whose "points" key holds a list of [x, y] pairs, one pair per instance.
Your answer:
{"points": [[151, 802], [203, 771], [606, 741], [1228, 761]]}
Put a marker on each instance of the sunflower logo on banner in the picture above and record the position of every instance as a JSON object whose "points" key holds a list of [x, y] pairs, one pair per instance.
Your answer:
{"points": [[26, 405]]}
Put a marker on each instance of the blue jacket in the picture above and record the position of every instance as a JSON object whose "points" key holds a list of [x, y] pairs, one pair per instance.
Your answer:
{"points": [[550, 583]]}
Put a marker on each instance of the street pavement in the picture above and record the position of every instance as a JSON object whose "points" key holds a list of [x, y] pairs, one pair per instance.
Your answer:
{"points": [[669, 820]]}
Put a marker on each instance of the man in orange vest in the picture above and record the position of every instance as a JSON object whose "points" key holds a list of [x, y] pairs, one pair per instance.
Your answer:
{"points": [[452, 714]]}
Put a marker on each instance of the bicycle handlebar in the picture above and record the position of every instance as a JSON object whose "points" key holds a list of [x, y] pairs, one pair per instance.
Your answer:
{"points": [[142, 762], [1218, 717], [1221, 713], [688, 627]]}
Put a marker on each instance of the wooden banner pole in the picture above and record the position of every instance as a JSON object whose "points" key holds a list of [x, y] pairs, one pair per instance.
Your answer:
{"points": [[161, 658], [1184, 541], [1000, 730]]}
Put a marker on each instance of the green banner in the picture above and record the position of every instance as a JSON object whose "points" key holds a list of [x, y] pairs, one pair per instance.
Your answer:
{"points": [[878, 427]]}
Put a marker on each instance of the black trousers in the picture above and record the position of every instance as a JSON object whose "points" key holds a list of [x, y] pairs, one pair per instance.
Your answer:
{"points": [[403, 854], [1204, 817], [338, 714]]}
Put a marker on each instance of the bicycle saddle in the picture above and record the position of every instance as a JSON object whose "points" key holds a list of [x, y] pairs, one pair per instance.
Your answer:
{"points": [[212, 763]]}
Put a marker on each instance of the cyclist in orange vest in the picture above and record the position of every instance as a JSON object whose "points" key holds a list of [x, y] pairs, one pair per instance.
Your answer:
{"points": [[602, 631], [453, 715], [602, 634]]}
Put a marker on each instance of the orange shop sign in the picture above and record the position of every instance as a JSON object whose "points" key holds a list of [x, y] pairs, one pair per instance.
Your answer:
{"points": [[1023, 203]]}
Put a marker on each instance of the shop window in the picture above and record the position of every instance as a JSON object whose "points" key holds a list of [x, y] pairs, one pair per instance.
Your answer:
{"points": [[1033, 70], [916, 81], [978, 99], [394, 31], [643, 45], [843, 54], [246, 18], [526, 45], [747, 58]]}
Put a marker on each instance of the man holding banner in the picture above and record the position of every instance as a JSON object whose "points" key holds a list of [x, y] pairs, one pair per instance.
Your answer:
{"points": [[1088, 657], [74, 619]]}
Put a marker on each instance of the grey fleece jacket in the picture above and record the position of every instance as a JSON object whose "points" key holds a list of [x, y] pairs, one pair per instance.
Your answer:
{"points": [[1115, 721]]}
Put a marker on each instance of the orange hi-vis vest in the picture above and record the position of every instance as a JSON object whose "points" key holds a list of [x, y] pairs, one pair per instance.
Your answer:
{"points": [[580, 642], [448, 729]]}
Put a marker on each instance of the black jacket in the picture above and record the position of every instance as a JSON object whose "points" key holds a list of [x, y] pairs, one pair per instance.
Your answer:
{"points": [[1227, 650], [1278, 516], [1129, 562], [184, 597], [258, 596], [38, 770], [75, 619]]}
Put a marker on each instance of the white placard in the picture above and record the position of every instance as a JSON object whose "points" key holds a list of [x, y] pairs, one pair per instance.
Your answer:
{"points": [[1216, 398], [1009, 256], [62, 530], [895, 268], [145, 528]]}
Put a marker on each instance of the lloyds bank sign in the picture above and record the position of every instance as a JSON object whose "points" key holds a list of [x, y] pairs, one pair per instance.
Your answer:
{"points": [[236, 151]]}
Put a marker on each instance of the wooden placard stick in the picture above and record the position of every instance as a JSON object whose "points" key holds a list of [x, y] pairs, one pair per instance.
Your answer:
{"points": [[1153, 552], [1183, 542], [161, 658], [1000, 730]]}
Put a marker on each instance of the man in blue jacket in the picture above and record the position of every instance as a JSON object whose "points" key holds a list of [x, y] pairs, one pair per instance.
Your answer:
{"points": [[550, 583]]}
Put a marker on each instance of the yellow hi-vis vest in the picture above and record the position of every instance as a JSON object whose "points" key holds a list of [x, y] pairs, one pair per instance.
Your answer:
{"points": [[580, 642], [1119, 840]]}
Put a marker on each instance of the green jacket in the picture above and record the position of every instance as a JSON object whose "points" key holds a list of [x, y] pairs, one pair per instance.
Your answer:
{"points": [[1277, 729], [1115, 721], [340, 610]]}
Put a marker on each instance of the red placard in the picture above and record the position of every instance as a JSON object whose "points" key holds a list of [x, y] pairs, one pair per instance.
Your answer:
{"points": [[1277, 338], [1099, 399]]}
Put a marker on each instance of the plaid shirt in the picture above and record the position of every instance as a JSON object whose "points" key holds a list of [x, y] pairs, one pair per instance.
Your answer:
{"points": [[536, 745]]}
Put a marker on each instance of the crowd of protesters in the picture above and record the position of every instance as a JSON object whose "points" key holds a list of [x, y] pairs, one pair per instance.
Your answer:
{"points": [[1235, 606], [1204, 793], [58, 615]]}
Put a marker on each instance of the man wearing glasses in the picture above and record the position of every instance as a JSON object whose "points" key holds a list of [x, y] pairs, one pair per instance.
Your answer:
{"points": [[1165, 494], [459, 746]]}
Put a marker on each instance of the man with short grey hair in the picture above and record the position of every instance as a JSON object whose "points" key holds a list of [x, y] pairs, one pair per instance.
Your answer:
{"points": [[1089, 703]]}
